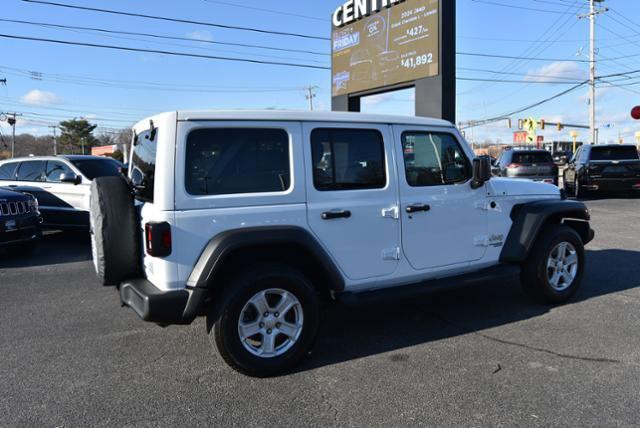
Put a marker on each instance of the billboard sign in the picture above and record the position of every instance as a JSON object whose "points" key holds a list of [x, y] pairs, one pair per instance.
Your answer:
{"points": [[380, 43]]}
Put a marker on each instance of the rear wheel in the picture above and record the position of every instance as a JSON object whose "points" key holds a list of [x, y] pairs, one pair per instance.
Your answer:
{"points": [[576, 188], [267, 322], [553, 271]]}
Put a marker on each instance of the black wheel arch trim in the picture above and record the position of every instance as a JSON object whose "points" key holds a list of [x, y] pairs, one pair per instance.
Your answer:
{"points": [[529, 219], [221, 246]]}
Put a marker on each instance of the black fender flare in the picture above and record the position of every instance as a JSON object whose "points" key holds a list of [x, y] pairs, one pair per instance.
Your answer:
{"points": [[221, 246], [529, 219]]}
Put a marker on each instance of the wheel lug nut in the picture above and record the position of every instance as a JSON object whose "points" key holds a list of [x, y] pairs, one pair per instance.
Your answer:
{"points": [[278, 325], [261, 325], [269, 331], [266, 314], [277, 314]]}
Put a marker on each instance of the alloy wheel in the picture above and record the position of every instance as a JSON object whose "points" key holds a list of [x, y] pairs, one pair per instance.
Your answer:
{"points": [[562, 266], [270, 323]]}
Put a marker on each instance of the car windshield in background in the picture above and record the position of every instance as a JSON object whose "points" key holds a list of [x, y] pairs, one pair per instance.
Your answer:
{"points": [[526, 158], [94, 168], [614, 153]]}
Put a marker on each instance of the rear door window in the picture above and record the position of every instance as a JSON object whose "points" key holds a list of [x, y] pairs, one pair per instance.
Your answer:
{"points": [[614, 153], [226, 161], [94, 168], [31, 171], [348, 159], [55, 169], [8, 171], [525, 158]]}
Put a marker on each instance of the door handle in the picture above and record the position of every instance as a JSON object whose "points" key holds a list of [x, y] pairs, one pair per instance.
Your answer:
{"points": [[417, 208], [331, 215]]}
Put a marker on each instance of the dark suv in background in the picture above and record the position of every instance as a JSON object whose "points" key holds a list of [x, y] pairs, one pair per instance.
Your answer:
{"points": [[19, 221], [603, 168], [537, 165]]}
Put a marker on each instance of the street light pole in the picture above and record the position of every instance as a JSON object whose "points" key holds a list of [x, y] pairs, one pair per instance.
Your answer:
{"points": [[592, 70], [55, 141], [593, 13]]}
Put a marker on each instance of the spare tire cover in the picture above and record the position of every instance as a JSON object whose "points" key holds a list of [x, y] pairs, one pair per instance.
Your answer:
{"points": [[115, 234]]}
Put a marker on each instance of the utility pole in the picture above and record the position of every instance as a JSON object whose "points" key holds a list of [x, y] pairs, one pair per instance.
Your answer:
{"points": [[55, 141], [311, 94], [593, 13], [11, 120]]}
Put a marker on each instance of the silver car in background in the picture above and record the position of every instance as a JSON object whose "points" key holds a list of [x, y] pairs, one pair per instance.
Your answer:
{"points": [[532, 164]]}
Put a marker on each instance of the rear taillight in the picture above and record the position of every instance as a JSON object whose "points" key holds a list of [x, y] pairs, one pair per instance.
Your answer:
{"points": [[158, 239], [514, 165]]}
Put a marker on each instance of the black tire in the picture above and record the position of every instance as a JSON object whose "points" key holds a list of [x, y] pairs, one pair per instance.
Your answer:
{"points": [[576, 188], [535, 273], [224, 319], [115, 234]]}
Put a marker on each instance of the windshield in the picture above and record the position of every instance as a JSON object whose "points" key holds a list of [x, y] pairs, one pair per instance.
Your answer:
{"points": [[94, 168], [614, 153]]}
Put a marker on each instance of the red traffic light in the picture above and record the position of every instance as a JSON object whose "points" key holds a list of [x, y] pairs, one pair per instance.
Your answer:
{"points": [[635, 113]]}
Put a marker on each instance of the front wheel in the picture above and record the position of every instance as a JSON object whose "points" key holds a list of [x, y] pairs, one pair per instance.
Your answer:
{"points": [[554, 269], [267, 322]]}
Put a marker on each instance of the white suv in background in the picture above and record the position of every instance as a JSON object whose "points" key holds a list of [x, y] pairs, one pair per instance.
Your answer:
{"points": [[60, 183], [253, 218]]}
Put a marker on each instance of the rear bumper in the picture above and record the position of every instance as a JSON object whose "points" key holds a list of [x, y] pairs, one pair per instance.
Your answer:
{"points": [[159, 306], [611, 184]]}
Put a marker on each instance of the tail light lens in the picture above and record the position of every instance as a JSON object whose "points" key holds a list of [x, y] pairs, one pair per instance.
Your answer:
{"points": [[158, 239], [514, 165]]}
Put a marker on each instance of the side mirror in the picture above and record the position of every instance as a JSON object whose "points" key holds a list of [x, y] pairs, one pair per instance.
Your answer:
{"points": [[71, 178], [481, 171]]}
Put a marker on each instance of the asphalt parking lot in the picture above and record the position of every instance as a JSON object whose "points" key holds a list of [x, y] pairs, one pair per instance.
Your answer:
{"points": [[482, 356]]}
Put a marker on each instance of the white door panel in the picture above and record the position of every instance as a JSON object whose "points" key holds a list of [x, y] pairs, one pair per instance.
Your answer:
{"points": [[359, 227], [448, 225]]}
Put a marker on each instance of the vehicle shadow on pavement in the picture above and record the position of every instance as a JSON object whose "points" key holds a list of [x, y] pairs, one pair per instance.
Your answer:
{"points": [[55, 248], [353, 333]]}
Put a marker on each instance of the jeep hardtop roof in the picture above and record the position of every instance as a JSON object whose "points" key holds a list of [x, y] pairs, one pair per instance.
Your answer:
{"points": [[306, 116]]}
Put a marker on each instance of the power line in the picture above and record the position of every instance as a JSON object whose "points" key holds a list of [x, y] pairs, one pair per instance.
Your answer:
{"points": [[520, 57], [520, 7], [529, 107], [539, 82], [164, 37], [140, 85], [183, 21], [162, 52], [278, 12], [541, 76]]}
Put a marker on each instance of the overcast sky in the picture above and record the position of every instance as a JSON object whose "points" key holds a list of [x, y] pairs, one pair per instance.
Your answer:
{"points": [[50, 82]]}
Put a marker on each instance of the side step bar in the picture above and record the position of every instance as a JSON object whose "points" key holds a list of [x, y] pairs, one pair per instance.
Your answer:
{"points": [[494, 273]]}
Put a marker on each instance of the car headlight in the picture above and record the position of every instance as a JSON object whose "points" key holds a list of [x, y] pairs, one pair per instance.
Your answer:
{"points": [[33, 204]]}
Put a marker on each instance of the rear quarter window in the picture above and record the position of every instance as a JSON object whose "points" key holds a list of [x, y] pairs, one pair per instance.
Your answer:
{"points": [[226, 161], [143, 164]]}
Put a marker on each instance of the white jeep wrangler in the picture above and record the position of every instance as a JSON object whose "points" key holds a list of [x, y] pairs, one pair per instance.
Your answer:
{"points": [[253, 218]]}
